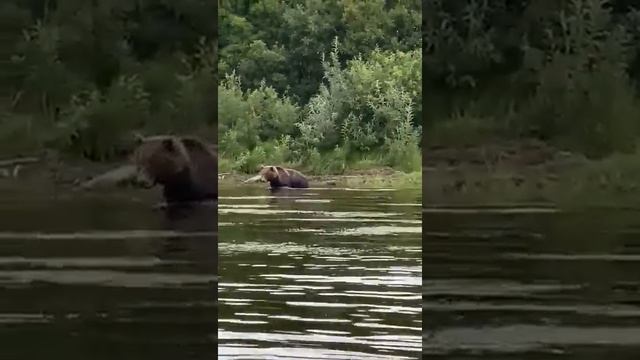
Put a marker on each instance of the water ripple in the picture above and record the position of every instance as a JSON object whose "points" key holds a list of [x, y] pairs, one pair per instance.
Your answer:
{"points": [[327, 290]]}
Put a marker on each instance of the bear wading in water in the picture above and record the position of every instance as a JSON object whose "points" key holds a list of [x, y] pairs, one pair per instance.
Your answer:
{"points": [[278, 177], [185, 167]]}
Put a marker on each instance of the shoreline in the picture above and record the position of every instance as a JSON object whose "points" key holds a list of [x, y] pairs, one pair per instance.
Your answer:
{"points": [[53, 172], [521, 172], [509, 172], [366, 179]]}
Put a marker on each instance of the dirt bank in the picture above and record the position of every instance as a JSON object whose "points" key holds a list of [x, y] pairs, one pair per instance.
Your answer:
{"points": [[50, 170], [523, 170], [369, 178]]}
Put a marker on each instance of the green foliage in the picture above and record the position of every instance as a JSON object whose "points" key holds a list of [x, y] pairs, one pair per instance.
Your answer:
{"points": [[462, 130], [247, 118], [21, 133], [565, 72], [331, 162], [367, 107], [95, 124], [363, 108], [584, 97], [249, 161], [281, 41], [401, 144], [82, 76]]}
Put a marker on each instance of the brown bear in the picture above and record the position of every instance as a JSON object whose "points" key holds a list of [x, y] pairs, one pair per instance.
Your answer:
{"points": [[186, 167], [278, 176]]}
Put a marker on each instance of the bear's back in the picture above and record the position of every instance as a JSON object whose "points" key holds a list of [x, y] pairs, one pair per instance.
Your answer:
{"points": [[296, 179], [204, 164]]}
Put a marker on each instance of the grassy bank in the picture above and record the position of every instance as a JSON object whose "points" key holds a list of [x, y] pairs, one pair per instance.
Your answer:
{"points": [[374, 178], [562, 178], [52, 170]]}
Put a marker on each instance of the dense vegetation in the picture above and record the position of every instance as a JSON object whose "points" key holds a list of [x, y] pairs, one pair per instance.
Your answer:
{"points": [[322, 85], [566, 72], [80, 76]]}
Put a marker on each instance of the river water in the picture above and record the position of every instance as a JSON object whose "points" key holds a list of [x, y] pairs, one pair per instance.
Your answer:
{"points": [[104, 276], [319, 274], [531, 282]]}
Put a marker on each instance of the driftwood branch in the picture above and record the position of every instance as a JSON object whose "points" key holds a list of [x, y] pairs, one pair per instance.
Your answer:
{"points": [[18, 161], [16, 98], [111, 178]]}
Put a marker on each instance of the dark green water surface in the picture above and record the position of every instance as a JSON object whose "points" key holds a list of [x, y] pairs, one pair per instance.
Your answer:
{"points": [[531, 282], [320, 274], [104, 276]]}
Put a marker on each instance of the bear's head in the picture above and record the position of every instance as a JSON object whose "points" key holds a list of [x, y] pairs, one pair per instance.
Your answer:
{"points": [[161, 160], [270, 173]]}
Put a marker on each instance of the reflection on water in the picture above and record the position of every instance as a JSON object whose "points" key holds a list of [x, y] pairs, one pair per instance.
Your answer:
{"points": [[531, 282], [105, 276], [319, 274]]}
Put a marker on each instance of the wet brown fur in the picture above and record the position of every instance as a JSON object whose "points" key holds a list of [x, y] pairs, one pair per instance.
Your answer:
{"points": [[278, 176], [185, 167]]}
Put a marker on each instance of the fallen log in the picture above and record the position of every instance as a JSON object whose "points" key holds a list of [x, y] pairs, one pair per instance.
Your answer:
{"points": [[18, 161], [253, 179], [115, 177]]}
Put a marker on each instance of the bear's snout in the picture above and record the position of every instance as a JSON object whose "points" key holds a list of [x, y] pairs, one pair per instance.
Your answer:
{"points": [[143, 180]]}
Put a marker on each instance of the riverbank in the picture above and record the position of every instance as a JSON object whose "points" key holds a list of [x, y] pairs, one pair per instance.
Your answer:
{"points": [[50, 170], [508, 172], [374, 178], [528, 171]]}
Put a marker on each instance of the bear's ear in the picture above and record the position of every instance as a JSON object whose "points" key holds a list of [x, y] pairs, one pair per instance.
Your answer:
{"points": [[168, 145], [283, 170]]}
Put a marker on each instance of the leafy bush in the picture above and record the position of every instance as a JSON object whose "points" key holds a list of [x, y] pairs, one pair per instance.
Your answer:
{"points": [[96, 124], [268, 153], [369, 106], [363, 108], [82, 77], [584, 97], [568, 74], [21, 134], [246, 119]]}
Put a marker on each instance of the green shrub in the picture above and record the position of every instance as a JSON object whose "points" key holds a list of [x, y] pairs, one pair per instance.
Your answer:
{"points": [[253, 116], [584, 98], [22, 134], [332, 162], [369, 106], [96, 125], [462, 129]]}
